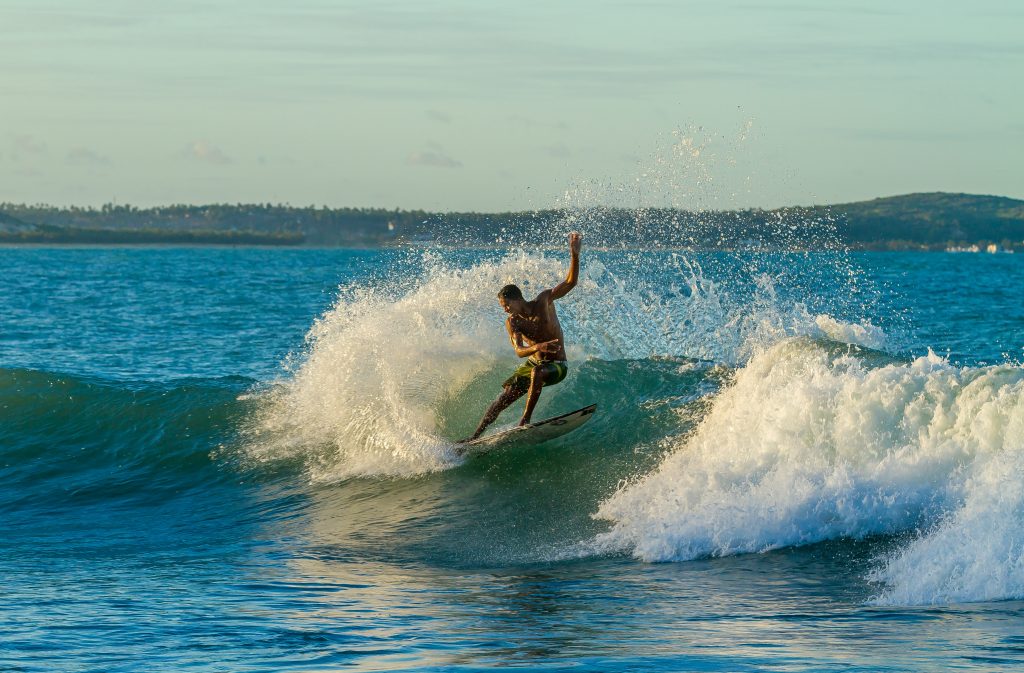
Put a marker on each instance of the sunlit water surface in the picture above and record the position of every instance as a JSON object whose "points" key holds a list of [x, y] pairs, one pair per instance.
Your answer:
{"points": [[240, 460]]}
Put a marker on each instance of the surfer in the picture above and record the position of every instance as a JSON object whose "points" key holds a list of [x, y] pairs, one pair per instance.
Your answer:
{"points": [[536, 335]]}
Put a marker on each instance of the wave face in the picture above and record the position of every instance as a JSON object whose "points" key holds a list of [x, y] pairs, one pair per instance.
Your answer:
{"points": [[73, 440], [812, 443], [394, 372]]}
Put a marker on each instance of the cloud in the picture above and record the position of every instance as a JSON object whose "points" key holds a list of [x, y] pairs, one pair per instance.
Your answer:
{"points": [[439, 116], [812, 7], [26, 146], [903, 135], [201, 150], [523, 120], [558, 151], [83, 156], [276, 160], [435, 159]]}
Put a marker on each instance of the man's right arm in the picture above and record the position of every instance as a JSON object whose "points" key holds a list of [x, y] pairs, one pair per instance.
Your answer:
{"points": [[563, 288]]}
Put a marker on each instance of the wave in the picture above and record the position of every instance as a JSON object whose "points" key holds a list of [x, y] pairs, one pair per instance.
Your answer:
{"points": [[750, 420], [811, 443], [66, 437], [394, 372]]}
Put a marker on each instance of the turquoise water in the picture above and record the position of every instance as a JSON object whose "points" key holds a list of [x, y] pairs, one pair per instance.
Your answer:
{"points": [[240, 460]]}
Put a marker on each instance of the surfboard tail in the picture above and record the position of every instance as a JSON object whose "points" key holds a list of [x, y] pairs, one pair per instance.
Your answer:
{"points": [[534, 433]]}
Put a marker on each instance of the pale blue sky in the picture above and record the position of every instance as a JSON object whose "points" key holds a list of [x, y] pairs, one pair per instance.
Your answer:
{"points": [[454, 105]]}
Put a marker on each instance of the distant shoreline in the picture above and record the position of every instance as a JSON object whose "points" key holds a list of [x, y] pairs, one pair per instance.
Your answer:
{"points": [[928, 222]]}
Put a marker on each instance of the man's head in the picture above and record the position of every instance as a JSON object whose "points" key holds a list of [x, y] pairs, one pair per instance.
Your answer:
{"points": [[511, 299]]}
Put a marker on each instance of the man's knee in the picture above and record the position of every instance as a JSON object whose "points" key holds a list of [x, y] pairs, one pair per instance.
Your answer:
{"points": [[513, 392]]}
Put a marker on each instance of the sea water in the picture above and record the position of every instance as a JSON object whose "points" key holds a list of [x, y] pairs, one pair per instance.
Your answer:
{"points": [[242, 460]]}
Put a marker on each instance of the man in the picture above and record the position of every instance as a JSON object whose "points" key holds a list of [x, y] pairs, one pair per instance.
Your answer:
{"points": [[535, 334]]}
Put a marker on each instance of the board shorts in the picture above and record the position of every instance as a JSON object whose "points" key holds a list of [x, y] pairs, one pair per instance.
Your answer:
{"points": [[554, 372]]}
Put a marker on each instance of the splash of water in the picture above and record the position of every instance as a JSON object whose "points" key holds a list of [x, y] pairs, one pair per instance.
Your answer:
{"points": [[386, 371]]}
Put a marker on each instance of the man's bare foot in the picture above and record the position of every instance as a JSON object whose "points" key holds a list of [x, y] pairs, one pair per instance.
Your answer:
{"points": [[523, 423]]}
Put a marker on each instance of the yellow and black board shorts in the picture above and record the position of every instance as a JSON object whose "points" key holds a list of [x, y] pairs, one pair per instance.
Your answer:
{"points": [[554, 372]]}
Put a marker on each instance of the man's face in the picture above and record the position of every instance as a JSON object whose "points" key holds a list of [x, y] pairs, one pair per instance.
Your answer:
{"points": [[512, 306]]}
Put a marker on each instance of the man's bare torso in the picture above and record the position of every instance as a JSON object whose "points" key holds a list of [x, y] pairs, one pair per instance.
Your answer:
{"points": [[542, 326]]}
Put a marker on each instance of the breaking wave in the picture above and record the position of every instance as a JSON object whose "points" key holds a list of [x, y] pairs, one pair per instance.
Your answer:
{"points": [[815, 442]]}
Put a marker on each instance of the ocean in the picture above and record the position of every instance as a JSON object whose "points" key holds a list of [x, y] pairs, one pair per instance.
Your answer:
{"points": [[241, 460]]}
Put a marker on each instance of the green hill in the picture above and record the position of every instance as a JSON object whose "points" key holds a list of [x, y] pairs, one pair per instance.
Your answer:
{"points": [[933, 220]]}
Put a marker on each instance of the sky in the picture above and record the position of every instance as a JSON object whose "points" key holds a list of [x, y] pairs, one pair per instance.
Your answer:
{"points": [[452, 105]]}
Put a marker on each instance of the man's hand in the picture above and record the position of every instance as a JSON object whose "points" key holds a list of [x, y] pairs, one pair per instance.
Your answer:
{"points": [[548, 347], [574, 242]]}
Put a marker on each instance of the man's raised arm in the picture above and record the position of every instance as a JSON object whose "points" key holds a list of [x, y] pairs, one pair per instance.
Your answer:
{"points": [[562, 289]]}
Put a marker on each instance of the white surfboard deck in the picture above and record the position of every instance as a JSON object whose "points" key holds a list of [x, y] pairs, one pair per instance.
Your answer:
{"points": [[534, 433]]}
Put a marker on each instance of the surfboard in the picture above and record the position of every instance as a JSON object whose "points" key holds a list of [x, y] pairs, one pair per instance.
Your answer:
{"points": [[534, 433]]}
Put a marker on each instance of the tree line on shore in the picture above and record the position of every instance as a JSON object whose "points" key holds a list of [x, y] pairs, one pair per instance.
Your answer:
{"points": [[932, 221]]}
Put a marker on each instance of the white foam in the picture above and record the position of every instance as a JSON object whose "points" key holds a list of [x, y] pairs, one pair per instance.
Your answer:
{"points": [[807, 447], [862, 334]]}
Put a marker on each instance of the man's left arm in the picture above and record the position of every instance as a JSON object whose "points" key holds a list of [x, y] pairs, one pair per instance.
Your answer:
{"points": [[562, 289]]}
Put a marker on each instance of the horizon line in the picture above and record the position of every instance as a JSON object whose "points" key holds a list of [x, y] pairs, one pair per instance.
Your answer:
{"points": [[315, 206]]}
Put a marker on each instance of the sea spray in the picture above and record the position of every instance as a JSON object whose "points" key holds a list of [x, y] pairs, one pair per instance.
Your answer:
{"points": [[387, 379], [377, 364]]}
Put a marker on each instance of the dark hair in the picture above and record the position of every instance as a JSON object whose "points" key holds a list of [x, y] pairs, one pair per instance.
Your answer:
{"points": [[510, 292]]}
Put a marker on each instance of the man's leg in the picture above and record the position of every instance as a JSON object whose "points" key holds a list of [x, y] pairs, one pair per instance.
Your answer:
{"points": [[511, 393], [537, 378]]}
